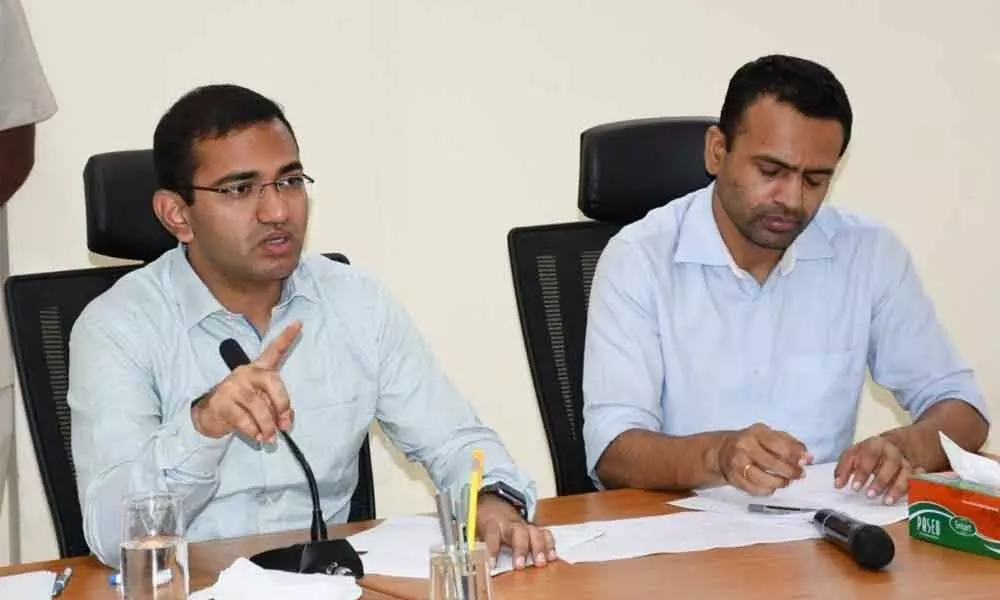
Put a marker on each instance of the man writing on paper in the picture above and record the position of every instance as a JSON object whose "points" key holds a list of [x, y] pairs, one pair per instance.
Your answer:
{"points": [[154, 406], [729, 331]]}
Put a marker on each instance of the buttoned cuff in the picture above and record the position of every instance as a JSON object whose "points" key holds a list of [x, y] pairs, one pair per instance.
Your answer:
{"points": [[188, 450]]}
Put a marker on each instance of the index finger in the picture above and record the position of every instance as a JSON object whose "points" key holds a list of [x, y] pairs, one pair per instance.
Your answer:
{"points": [[276, 350], [844, 468], [539, 546], [491, 535], [787, 448], [866, 460], [520, 544]]}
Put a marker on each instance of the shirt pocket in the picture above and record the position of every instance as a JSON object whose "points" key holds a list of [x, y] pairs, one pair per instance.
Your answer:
{"points": [[332, 382]]}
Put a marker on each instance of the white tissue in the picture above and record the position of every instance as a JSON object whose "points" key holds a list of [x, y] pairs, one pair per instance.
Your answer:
{"points": [[246, 581], [969, 466]]}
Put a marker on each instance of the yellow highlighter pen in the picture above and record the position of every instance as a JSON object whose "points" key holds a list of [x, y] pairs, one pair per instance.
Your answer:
{"points": [[475, 481]]}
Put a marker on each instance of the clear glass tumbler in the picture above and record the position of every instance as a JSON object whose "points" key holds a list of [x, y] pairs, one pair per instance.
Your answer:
{"points": [[154, 562], [461, 574]]}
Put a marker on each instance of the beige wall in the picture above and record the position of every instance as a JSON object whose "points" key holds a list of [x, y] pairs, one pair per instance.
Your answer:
{"points": [[434, 127]]}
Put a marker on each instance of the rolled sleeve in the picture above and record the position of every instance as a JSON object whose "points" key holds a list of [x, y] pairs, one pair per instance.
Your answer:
{"points": [[189, 454], [623, 374], [121, 444], [422, 413], [910, 352]]}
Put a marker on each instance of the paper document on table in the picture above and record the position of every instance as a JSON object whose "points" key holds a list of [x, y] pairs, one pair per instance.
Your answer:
{"points": [[36, 585], [815, 491], [679, 532], [400, 547]]}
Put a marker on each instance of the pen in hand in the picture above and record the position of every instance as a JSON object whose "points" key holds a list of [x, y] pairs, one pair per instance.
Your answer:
{"points": [[772, 509]]}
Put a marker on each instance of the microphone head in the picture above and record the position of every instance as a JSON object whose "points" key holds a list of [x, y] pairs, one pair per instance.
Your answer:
{"points": [[232, 353], [329, 557], [872, 547]]}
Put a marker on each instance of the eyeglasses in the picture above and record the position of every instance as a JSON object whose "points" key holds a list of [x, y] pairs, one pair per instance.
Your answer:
{"points": [[289, 185]]}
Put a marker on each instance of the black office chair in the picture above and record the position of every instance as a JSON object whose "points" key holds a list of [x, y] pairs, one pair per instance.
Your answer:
{"points": [[41, 311], [626, 169]]}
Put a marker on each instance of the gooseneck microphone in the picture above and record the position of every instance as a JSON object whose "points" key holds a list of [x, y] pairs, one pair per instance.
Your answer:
{"points": [[320, 555], [235, 357], [869, 545]]}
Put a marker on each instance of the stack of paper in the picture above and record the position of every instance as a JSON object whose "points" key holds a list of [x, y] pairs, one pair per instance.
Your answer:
{"points": [[815, 491], [401, 546], [677, 532], [723, 520], [36, 585]]}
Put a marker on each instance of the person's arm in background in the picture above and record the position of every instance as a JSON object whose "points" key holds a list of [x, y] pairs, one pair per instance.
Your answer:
{"points": [[622, 415], [121, 442], [17, 147], [25, 98], [423, 414], [910, 354]]}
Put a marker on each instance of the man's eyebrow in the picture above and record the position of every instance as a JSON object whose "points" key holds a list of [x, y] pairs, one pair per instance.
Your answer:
{"points": [[235, 176], [292, 166], [780, 163]]}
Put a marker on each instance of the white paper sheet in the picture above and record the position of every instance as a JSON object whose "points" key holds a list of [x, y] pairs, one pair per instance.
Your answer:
{"points": [[401, 546], [815, 491], [680, 532], [969, 466], [36, 585]]}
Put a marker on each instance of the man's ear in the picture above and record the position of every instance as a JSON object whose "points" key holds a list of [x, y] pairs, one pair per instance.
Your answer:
{"points": [[173, 212], [715, 149]]}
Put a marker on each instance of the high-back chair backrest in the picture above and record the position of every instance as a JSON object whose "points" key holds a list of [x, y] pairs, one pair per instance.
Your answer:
{"points": [[626, 169], [41, 311]]}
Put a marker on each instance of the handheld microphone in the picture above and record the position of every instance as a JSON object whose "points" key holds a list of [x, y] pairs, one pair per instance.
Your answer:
{"points": [[319, 555], [869, 545]]}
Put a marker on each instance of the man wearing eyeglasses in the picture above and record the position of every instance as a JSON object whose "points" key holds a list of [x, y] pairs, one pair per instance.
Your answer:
{"points": [[154, 406]]}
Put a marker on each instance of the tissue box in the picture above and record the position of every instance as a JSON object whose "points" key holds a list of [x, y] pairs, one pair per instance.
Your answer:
{"points": [[946, 510]]}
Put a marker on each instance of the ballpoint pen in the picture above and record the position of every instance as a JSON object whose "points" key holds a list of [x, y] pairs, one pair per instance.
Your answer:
{"points": [[773, 509], [62, 581], [452, 544]]}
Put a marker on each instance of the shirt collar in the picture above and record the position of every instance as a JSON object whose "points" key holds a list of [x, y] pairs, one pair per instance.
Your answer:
{"points": [[700, 241], [197, 302]]}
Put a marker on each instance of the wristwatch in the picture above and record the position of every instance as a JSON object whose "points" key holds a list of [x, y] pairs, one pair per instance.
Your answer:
{"points": [[508, 494]]}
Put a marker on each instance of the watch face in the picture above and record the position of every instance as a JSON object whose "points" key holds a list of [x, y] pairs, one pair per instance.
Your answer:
{"points": [[510, 495]]}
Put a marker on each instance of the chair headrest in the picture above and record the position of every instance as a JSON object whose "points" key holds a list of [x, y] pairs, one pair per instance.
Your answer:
{"points": [[628, 168], [118, 188]]}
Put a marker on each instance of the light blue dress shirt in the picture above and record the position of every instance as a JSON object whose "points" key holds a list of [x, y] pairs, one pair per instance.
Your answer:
{"points": [[142, 351], [681, 341]]}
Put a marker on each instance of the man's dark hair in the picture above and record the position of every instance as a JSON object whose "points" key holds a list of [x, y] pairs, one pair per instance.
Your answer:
{"points": [[207, 112], [808, 86]]}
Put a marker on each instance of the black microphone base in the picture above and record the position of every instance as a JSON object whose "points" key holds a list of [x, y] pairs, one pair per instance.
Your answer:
{"points": [[330, 557]]}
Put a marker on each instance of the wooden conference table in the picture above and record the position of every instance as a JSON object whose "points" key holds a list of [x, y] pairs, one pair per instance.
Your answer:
{"points": [[805, 569]]}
